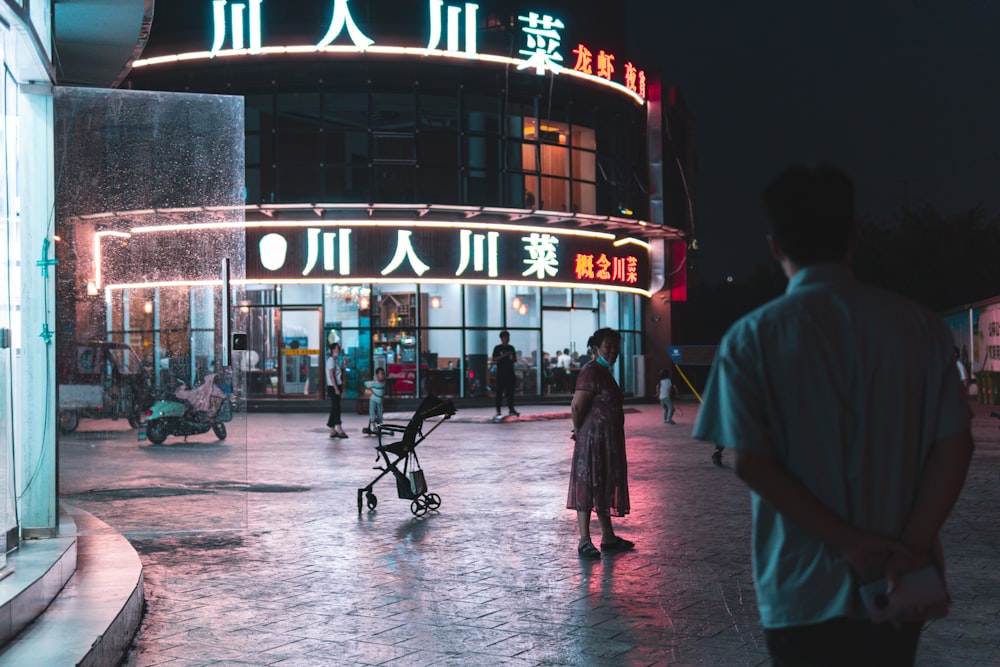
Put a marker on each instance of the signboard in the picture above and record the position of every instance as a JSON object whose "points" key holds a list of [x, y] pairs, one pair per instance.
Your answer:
{"points": [[336, 253], [240, 28]]}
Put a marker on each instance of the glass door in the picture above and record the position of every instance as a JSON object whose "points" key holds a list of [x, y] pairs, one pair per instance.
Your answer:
{"points": [[299, 352]]}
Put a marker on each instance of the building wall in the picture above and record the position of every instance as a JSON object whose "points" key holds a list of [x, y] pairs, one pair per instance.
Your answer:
{"points": [[27, 283]]}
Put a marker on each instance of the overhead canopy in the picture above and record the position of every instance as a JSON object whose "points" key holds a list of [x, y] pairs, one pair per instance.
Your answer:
{"points": [[97, 40]]}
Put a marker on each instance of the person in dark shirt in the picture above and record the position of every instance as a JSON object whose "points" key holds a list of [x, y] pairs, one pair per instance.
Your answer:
{"points": [[504, 356]]}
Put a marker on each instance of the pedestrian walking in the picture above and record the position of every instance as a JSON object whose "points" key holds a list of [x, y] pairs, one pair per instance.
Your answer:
{"points": [[334, 390], [504, 357], [667, 394], [598, 479], [844, 410]]}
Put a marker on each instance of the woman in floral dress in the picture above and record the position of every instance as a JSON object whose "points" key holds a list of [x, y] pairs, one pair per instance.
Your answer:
{"points": [[598, 480]]}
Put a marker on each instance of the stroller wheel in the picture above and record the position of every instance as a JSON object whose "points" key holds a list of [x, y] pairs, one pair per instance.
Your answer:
{"points": [[418, 508], [372, 501], [433, 501]]}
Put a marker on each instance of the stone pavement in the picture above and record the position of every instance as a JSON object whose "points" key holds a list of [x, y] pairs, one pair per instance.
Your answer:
{"points": [[291, 574]]}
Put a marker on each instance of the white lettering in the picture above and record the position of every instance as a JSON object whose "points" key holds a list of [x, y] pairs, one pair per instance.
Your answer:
{"points": [[483, 251], [454, 28], [542, 256], [237, 28], [405, 251], [542, 35], [342, 19]]}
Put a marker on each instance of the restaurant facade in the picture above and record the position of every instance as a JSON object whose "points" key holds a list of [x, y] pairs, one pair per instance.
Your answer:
{"points": [[413, 179]]}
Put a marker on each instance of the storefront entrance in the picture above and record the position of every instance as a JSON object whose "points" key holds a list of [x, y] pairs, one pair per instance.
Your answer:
{"points": [[284, 352], [566, 331]]}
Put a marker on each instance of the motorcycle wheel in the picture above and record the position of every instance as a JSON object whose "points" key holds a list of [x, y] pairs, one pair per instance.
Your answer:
{"points": [[68, 421], [220, 430], [157, 432]]}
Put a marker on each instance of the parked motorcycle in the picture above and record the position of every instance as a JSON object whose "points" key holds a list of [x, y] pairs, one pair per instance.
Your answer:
{"points": [[190, 412]]}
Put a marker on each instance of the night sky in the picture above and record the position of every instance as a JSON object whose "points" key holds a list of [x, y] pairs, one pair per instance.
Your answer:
{"points": [[903, 95]]}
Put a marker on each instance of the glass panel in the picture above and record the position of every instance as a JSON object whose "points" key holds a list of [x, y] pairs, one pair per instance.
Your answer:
{"points": [[565, 334], [526, 366], [263, 351], [395, 148], [346, 305], [585, 166], [556, 297], [479, 114], [584, 197], [299, 295], [393, 111], [300, 352], [475, 364], [394, 183], [298, 183], [298, 110], [128, 153], [299, 147], [395, 342], [444, 372], [555, 194], [523, 307], [444, 305], [439, 113], [438, 149], [346, 111], [11, 267], [438, 186], [585, 298]]}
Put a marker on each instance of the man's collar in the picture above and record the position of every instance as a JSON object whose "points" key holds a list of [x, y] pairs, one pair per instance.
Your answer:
{"points": [[825, 272]]}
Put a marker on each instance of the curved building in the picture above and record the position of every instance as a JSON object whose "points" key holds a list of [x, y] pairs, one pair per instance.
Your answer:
{"points": [[418, 177]]}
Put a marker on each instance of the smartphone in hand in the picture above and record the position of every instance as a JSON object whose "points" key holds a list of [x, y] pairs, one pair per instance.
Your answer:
{"points": [[921, 590]]}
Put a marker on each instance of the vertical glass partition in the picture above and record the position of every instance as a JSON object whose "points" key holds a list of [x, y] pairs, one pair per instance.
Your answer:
{"points": [[149, 204]]}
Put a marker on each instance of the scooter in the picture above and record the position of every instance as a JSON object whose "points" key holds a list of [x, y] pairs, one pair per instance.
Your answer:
{"points": [[189, 412]]}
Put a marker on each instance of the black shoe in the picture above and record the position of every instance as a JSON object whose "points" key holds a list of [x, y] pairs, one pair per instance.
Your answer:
{"points": [[514, 413]]}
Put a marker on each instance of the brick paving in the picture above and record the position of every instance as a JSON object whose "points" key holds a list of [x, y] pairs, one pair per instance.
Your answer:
{"points": [[282, 570]]}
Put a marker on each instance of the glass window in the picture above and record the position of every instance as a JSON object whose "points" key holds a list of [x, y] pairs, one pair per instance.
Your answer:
{"points": [[300, 294], [346, 305], [443, 359], [475, 365], [394, 148], [556, 297], [554, 160], [584, 197], [437, 149], [585, 298], [555, 194], [299, 183], [393, 111], [484, 306], [479, 114], [298, 147], [259, 112], [394, 183], [523, 307], [298, 110], [345, 111], [437, 112], [438, 186], [347, 185], [345, 148], [444, 305]]}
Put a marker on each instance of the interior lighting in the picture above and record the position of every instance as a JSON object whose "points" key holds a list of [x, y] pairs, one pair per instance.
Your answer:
{"points": [[148, 307], [523, 309], [516, 303], [435, 302]]}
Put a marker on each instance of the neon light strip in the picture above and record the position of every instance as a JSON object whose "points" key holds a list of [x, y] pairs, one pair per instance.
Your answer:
{"points": [[387, 50], [629, 240], [381, 281], [97, 253], [392, 224]]}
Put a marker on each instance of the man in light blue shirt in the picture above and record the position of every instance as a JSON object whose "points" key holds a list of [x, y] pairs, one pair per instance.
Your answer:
{"points": [[847, 420]]}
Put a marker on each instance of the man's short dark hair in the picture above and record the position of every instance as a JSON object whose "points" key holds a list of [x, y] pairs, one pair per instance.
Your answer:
{"points": [[505, 333], [811, 213]]}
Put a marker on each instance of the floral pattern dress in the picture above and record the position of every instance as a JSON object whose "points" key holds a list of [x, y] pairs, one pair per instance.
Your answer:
{"points": [[599, 476]]}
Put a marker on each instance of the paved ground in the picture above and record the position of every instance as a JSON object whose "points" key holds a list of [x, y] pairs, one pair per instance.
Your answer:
{"points": [[281, 569]]}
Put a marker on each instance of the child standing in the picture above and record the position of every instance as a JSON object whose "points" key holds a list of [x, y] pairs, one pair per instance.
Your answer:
{"points": [[667, 393], [375, 388]]}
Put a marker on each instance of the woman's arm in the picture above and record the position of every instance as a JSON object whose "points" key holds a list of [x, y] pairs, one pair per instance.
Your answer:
{"points": [[580, 407]]}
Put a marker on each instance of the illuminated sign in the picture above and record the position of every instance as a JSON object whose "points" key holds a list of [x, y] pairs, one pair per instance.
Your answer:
{"points": [[333, 254], [239, 24]]}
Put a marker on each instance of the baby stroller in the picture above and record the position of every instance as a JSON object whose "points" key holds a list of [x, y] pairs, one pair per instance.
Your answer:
{"points": [[410, 484]]}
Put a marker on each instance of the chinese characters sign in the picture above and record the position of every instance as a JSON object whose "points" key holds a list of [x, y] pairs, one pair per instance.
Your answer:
{"points": [[239, 25], [494, 254]]}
